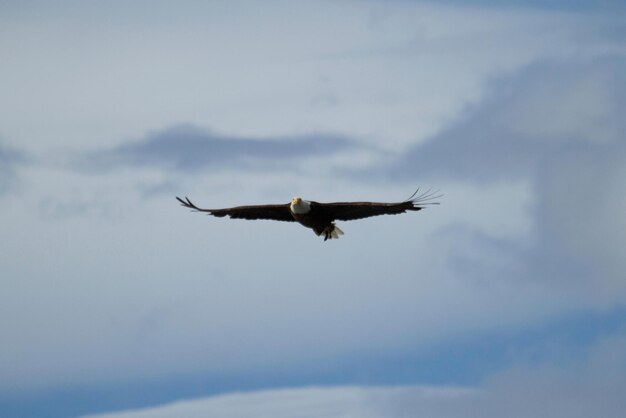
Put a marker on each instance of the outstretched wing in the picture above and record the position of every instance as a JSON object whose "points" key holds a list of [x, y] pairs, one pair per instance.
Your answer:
{"points": [[348, 211], [272, 212]]}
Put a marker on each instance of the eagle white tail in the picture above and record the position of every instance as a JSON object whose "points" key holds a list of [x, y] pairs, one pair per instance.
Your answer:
{"points": [[331, 232]]}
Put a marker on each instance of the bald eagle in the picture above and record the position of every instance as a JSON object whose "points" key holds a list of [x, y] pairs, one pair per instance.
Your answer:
{"points": [[320, 217]]}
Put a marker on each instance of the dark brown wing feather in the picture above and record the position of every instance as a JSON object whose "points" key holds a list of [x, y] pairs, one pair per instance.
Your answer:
{"points": [[348, 211], [272, 212]]}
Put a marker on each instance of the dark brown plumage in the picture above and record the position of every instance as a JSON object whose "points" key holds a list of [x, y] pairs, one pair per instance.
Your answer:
{"points": [[320, 216]]}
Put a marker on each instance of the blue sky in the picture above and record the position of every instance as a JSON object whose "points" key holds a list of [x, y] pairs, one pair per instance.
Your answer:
{"points": [[509, 296]]}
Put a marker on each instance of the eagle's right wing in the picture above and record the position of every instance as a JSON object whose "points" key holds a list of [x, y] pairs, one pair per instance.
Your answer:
{"points": [[271, 212], [348, 211]]}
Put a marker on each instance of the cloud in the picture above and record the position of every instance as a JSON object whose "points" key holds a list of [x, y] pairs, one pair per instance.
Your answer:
{"points": [[592, 385], [558, 126], [319, 402], [10, 159], [542, 4], [128, 289], [188, 148], [469, 278], [528, 121]]}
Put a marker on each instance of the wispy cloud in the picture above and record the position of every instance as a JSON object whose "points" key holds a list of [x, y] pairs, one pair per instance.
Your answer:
{"points": [[592, 386], [320, 402], [558, 126], [188, 148], [134, 295], [10, 158], [528, 121]]}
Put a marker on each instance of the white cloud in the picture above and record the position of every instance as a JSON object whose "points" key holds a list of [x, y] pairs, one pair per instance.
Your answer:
{"points": [[319, 402], [555, 128], [103, 280], [576, 100], [395, 72], [591, 386]]}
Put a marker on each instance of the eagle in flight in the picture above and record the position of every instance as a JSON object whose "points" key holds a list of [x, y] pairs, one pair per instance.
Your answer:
{"points": [[320, 217]]}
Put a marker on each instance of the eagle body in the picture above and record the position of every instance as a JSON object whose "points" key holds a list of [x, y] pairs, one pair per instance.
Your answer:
{"points": [[312, 215], [320, 217]]}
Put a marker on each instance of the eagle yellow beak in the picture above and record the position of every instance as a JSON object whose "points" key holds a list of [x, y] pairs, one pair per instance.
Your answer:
{"points": [[296, 200]]}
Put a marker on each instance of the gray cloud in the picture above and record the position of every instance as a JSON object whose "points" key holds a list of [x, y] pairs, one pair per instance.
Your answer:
{"points": [[527, 122], [10, 159], [591, 387], [543, 4], [187, 148], [559, 127]]}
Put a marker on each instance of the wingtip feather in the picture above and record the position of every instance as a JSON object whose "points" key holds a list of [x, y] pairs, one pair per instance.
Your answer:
{"points": [[424, 199]]}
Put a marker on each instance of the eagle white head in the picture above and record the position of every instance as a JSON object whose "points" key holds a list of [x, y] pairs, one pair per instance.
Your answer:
{"points": [[300, 206]]}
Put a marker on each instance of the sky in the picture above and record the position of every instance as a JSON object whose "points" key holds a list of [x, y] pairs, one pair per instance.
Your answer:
{"points": [[508, 298]]}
